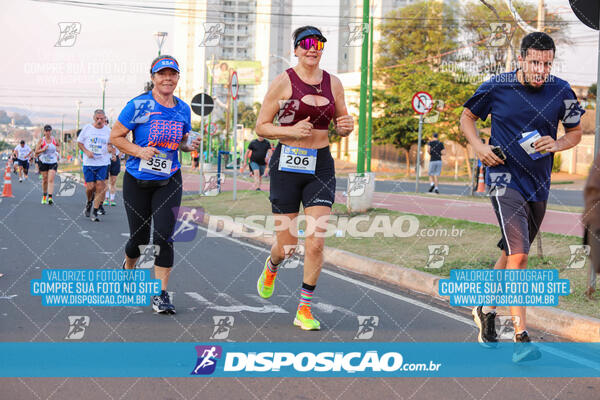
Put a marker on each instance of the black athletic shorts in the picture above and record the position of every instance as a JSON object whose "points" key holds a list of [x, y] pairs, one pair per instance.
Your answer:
{"points": [[519, 220], [114, 168], [24, 164], [48, 167], [288, 189]]}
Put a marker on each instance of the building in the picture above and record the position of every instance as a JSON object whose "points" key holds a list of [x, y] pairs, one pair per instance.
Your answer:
{"points": [[213, 37], [349, 51], [349, 66]]}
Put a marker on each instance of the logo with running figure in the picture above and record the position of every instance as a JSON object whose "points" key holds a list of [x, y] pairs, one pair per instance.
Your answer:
{"points": [[573, 112], [500, 34], [186, 224], [68, 34], [293, 255], [210, 185], [207, 359], [68, 184], [77, 325], [498, 183], [366, 326], [433, 116], [357, 31], [223, 325], [505, 329], [143, 110], [579, 255], [212, 34], [437, 255], [287, 110], [148, 253], [357, 183]]}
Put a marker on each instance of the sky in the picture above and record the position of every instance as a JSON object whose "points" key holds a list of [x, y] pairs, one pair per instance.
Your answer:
{"points": [[46, 79]]}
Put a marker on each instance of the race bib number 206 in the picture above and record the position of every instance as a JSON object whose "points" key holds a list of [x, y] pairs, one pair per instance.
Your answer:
{"points": [[160, 164], [298, 159]]}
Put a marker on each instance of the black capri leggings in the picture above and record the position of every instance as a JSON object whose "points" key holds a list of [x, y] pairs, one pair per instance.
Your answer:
{"points": [[145, 204]]}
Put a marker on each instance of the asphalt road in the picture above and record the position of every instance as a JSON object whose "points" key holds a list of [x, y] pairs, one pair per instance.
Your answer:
{"points": [[216, 277]]}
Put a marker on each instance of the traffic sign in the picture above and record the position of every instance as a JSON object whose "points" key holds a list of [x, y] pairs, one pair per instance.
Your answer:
{"points": [[422, 102], [588, 12], [234, 86], [211, 129], [198, 100]]}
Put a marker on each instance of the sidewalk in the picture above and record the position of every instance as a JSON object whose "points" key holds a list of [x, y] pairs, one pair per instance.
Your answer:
{"points": [[559, 222]]}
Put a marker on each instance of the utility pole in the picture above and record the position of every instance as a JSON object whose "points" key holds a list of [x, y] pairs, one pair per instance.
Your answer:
{"points": [[77, 130], [360, 159], [540, 16], [62, 136], [104, 80], [78, 107], [212, 74], [370, 108], [160, 40]]}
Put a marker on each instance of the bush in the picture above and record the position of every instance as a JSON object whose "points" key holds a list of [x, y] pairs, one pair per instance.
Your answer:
{"points": [[557, 162]]}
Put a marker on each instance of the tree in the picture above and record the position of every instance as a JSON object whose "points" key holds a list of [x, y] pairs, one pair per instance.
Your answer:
{"points": [[4, 118], [486, 56], [5, 145], [247, 114], [422, 30], [592, 90], [21, 120]]}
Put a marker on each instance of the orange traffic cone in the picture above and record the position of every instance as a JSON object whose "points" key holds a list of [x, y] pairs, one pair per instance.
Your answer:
{"points": [[7, 191], [481, 182]]}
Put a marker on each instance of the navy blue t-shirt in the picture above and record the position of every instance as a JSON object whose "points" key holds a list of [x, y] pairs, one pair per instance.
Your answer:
{"points": [[517, 109], [155, 125]]}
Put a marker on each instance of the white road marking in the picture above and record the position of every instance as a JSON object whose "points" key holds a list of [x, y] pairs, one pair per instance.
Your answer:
{"points": [[236, 306], [467, 321]]}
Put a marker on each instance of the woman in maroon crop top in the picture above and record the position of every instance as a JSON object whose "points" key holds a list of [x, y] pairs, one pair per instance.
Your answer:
{"points": [[304, 100]]}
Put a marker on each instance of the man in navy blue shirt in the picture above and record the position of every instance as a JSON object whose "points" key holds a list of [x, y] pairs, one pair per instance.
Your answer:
{"points": [[526, 107]]}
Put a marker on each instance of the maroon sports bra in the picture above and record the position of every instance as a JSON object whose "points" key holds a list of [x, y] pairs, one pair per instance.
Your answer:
{"points": [[293, 110]]}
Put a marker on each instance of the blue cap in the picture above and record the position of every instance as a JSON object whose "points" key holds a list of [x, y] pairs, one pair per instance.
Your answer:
{"points": [[166, 62], [309, 32]]}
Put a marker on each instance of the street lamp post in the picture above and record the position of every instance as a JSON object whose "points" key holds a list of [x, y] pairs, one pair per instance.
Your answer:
{"points": [[160, 39], [103, 81], [77, 130]]}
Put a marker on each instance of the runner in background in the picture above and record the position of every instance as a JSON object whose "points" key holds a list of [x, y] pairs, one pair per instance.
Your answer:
{"points": [[93, 141], [46, 150], [113, 172], [259, 153], [23, 153]]}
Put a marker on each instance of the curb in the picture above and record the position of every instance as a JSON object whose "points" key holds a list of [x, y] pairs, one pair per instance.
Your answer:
{"points": [[566, 324]]}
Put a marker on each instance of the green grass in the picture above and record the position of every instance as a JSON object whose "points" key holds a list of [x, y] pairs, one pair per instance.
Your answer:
{"points": [[474, 248], [77, 169]]}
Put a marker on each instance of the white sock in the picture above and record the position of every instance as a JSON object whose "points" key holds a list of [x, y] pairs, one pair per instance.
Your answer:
{"points": [[112, 196], [107, 195], [487, 310]]}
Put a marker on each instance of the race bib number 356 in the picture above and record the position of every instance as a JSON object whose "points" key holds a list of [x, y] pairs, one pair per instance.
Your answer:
{"points": [[160, 165], [298, 159]]}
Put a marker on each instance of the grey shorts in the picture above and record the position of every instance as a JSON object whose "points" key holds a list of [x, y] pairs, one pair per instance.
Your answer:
{"points": [[519, 220], [435, 168]]}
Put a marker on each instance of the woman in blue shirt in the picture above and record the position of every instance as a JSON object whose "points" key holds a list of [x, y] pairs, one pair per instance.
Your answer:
{"points": [[152, 184]]}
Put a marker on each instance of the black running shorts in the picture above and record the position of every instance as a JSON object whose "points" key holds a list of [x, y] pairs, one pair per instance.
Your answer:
{"points": [[519, 220], [289, 189]]}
